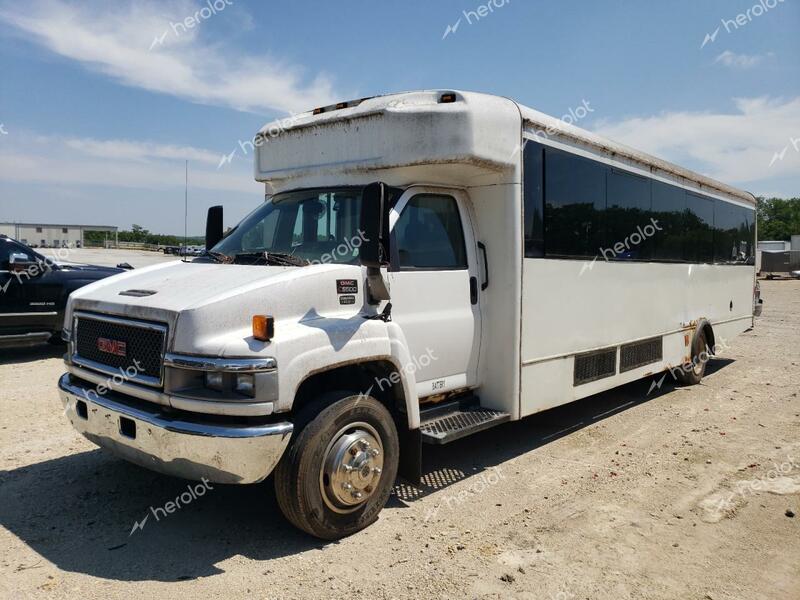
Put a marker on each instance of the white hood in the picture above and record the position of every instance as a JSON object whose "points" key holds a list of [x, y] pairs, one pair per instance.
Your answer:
{"points": [[209, 306]]}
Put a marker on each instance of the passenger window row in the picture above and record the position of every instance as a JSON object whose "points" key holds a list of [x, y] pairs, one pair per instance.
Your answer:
{"points": [[576, 207]]}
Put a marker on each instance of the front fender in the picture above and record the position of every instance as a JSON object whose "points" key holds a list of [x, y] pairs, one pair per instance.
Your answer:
{"points": [[321, 344]]}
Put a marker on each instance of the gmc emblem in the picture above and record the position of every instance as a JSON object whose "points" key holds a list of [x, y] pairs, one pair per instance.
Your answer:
{"points": [[114, 347]]}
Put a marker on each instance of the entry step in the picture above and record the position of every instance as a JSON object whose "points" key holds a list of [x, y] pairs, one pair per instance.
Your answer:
{"points": [[450, 421]]}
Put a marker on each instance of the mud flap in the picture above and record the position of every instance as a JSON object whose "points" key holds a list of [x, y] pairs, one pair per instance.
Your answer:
{"points": [[410, 467]]}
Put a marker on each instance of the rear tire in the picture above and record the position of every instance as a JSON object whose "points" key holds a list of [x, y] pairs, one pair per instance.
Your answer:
{"points": [[692, 373], [338, 472]]}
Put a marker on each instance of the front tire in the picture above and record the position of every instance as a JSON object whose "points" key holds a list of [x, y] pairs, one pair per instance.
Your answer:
{"points": [[338, 472]]}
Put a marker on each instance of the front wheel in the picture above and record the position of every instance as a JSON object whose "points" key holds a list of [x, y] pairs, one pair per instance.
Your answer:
{"points": [[338, 472]]}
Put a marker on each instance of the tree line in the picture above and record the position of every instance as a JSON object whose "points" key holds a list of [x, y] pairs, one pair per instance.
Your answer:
{"points": [[140, 235], [778, 218]]}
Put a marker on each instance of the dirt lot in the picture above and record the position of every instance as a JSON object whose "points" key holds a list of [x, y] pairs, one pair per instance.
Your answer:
{"points": [[680, 494]]}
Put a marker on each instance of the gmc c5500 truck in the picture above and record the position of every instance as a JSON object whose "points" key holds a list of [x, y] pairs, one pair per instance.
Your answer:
{"points": [[425, 266]]}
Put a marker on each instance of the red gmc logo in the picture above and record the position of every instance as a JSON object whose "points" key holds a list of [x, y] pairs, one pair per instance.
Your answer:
{"points": [[114, 347]]}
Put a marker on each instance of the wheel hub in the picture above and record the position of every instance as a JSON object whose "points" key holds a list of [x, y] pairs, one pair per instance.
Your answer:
{"points": [[352, 467]]}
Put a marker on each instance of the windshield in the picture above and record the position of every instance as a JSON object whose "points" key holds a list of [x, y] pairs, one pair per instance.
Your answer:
{"points": [[308, 226]]}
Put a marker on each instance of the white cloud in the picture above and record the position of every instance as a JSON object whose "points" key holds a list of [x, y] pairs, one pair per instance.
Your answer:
{"points": [[735, 147], [140, 151], [740, 61], [118, 163], [115, 38]]}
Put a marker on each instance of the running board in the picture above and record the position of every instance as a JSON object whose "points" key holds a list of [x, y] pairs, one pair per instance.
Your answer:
{"points": [[451, 421]]}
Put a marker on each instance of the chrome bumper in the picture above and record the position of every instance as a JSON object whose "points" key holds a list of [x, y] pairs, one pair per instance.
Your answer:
{"points": [[192, 449]]}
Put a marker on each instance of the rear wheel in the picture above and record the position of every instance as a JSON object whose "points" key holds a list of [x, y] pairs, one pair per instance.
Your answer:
{"points": [[337, 474], [692, 373]]}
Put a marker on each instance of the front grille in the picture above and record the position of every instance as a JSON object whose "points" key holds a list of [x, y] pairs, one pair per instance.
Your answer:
{"points": [[639, 354], [595, 365], [143, 345]]}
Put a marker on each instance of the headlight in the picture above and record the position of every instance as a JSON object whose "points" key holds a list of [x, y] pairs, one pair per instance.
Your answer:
{"points": [[215, 381], [246, 384]]}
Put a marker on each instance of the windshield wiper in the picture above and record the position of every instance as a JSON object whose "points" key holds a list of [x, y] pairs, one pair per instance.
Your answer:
{"points": [[219, 257], [280, 259]]}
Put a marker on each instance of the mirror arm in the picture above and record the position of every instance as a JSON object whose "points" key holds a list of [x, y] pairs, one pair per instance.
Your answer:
{"points": [[376, 284]]}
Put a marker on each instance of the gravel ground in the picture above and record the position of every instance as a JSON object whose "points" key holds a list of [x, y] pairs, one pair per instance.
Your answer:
{"points": [[681, 494]]}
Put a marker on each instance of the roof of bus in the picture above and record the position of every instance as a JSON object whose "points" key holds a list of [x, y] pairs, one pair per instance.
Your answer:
{"points": [[545, 123], [532, 120]]}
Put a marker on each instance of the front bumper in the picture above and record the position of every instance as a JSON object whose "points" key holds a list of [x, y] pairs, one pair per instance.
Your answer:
{"points": [[193, 447]]}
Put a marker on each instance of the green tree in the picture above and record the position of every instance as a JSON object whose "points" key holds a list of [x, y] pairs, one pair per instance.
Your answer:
{"points": [[778, 218]]}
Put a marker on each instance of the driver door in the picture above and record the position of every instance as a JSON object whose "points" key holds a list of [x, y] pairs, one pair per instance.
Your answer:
{"points": [[434, 282], [28, 298]]}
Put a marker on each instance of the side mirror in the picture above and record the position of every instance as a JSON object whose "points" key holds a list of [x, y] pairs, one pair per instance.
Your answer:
{"points": [[20, 263], [374, 251], [214, 232]]}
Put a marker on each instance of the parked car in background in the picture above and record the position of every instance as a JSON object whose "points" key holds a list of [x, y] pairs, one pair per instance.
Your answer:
{"points": [[34, 291]]}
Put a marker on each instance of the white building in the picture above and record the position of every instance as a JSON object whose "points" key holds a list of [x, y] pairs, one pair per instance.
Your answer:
{"points": [[774, 246], [43, 235]]}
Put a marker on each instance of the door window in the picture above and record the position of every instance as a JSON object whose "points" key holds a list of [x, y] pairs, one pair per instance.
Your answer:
{"points": [[429, 235]]}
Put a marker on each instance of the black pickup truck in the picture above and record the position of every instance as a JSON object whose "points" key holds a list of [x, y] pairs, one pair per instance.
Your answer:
{"points": [[34, 291]]}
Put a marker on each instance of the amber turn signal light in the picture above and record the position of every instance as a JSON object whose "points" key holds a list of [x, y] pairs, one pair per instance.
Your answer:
{"points": [[263, 327]]}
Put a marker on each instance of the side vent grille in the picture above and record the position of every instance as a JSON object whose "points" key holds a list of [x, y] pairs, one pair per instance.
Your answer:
{"points": [[595, 365], [640, 354]]}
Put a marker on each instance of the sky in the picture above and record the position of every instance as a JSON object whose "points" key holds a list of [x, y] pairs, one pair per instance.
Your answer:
{"points": [[102, 102]]}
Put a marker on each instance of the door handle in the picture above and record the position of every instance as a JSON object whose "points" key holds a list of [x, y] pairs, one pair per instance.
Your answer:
{"points": [[473, 290], [485, 283]]}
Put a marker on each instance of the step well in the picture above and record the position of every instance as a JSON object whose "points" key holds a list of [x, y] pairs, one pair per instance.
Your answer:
{"points": [[457, 419]]}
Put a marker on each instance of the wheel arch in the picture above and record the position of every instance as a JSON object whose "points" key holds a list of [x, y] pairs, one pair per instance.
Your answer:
{"points": [[378, 376]]}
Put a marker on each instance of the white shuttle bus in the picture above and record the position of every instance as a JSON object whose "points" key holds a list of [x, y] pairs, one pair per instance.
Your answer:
{"points": [[425, 266]]}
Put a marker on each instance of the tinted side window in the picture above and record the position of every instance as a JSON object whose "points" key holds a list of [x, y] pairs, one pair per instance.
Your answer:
{"points": [[533, 190], [575, 201], [727, 220], [747, 233], [628, 214], [429, 234], [669, 213], [699, 247], [5, 254]]}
